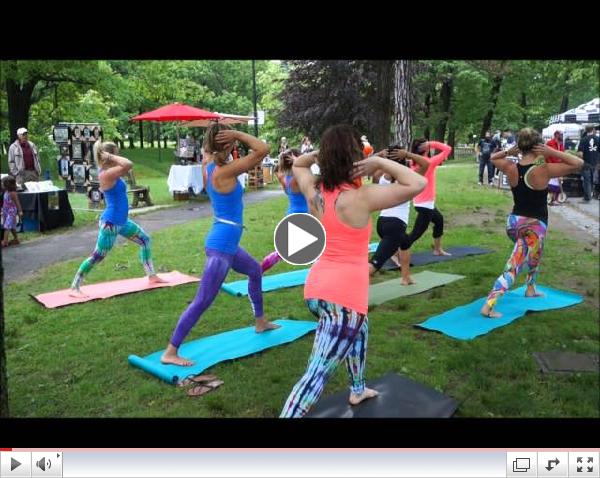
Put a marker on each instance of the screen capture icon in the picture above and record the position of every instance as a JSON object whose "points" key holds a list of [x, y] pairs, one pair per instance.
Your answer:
{"points": [[521, 464]]}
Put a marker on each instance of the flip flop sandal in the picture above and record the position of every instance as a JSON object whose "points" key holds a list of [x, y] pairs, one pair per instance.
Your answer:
{"points": [[204, 388], [198, 379]]}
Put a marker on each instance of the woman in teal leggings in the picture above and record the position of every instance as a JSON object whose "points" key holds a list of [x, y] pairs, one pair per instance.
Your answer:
{"points": [[114, 220]]}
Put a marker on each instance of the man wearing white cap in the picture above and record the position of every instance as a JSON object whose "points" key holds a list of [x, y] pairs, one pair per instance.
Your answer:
{"points": [[23, 159]]}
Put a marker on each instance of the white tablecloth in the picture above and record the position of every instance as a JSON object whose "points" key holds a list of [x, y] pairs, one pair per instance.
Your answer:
{"points": [[181, 178]]}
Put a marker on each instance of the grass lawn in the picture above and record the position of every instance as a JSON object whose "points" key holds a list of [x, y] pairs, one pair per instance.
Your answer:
{"points": [[72, 362]]}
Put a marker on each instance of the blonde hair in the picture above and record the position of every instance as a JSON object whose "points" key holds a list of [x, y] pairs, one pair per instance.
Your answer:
{"points": [[527, 138], [106, 147]]}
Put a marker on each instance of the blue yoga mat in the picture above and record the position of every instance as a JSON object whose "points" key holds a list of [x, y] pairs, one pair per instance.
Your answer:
{"points": [[275, 281], [208, 351], [270, 282], [466, 322]]}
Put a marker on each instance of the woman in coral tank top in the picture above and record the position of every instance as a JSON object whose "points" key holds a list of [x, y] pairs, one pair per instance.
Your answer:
{"points": [[337, 286]]}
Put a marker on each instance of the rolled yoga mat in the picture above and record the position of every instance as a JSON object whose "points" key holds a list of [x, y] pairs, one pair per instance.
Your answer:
{"points": [[208, 351]]}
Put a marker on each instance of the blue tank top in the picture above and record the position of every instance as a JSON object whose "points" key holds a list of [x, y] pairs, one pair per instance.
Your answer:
{"points": [[229, 207], [117, 206], [297, 200]]}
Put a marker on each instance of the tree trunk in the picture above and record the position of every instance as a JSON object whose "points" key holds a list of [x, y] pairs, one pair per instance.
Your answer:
{"points": [[19, 104], [165, 142], [385, 81], [119, 143], [158, 135], [426, 132], [141, 133], [489, 116], [402, 106], [451, 139], [564, 103], [3, 375], [445, 102], [523, 104], [131, 145], [151, 134]]}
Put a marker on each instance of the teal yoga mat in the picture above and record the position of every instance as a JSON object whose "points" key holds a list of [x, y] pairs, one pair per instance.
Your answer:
{"points": [[275, 281], [270, 282], [208, 351], [466, 322]]}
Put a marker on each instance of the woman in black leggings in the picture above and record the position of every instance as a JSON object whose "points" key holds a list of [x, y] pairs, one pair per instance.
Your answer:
{"points": [[425, 201], [392, 222]]}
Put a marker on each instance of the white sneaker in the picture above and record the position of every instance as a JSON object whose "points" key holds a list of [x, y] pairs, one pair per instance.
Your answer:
{"points": [[480, 183]]}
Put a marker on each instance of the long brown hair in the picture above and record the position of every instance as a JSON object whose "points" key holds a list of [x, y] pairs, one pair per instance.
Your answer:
{"points": [[340, 149], [211, 146]]}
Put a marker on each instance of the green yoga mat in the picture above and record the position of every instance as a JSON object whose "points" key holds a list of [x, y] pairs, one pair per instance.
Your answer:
{"points": [[391, 289]]}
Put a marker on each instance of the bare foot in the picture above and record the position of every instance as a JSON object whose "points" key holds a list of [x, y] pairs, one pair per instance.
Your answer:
{"points": [[487, 312], [367, 393], [531, 292], [441, 252], [170, 357], [262, 325], [408, 281], [156, 280], [77, 294], [372, 270]]}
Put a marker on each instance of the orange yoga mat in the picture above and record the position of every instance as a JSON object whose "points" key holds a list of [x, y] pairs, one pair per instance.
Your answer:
{"points": [[104, 290]]}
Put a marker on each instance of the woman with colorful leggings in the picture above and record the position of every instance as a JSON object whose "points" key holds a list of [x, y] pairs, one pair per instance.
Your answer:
{"points": [[297, 203], [526, 225], [114, 220], [337, 285], [223, 251], [424, 202]]}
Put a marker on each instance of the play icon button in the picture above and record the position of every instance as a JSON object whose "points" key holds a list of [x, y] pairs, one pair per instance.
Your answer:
{"points": [[14, 464], [299, 239]]}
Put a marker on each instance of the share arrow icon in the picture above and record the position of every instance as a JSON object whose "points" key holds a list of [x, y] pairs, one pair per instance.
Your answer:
{"points": [[550, 467]]}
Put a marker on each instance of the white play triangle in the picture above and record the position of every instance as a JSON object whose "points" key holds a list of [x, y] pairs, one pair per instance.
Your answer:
{"points": [[298, 239]]}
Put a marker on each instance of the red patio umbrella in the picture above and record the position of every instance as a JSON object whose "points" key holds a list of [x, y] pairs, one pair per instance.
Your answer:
{"points": [[176, 112]]}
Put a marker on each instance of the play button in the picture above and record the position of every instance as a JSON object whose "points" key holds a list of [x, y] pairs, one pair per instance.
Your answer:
{"points": [[299, 239], [14, 464]]}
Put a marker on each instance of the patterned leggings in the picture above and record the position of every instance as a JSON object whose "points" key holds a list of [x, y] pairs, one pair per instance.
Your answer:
{"points": [[341, 334], [528, 234], [107, 236]]}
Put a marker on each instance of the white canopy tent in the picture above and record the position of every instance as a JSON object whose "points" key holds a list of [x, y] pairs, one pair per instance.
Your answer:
{"points": [[570, 131], [587, 113]]}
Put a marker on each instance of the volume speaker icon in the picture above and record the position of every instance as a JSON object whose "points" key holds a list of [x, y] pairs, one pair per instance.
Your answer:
{"points": [[42, 464]]}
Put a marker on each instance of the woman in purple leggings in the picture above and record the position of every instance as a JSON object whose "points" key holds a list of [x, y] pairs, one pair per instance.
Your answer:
{"points": [[223, 251]]}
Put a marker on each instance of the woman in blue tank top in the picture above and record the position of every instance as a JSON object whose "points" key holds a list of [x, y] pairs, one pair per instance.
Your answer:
{"points": [[297, 202], [527, 224], [223, 251], [114, 220]]}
